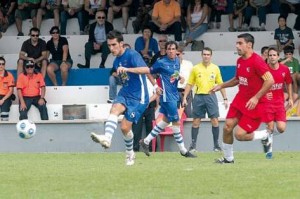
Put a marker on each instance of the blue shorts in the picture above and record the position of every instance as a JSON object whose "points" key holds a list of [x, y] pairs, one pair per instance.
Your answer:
{"points": [[169, 109], [134, 109]]}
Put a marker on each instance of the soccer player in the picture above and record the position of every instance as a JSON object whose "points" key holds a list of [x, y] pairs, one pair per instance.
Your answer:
{"points": [[168, 70], [275, 109], [131, 100], [254, 80], [205, 76]]}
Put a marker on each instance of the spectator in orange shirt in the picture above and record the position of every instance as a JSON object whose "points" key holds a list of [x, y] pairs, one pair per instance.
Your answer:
{"points": [[7, 84], [31, 91]]}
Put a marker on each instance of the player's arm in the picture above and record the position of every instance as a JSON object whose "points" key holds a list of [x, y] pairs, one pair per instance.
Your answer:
{"points": [[290, 95], [268, 82], [136, 70], [230, 83], [187, 90]]}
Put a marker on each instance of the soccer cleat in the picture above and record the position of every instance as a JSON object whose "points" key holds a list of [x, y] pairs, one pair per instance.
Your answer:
{"points": [[269, 155], [188, 155], [144, 147], [192, 149], [102, 139], [222, 160], [217, 149], [267, 143], [129, 161]]}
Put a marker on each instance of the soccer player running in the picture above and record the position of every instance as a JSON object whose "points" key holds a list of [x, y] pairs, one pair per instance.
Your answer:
{"points": [[254, 80], [131, 100], [275, 108], [168, 70]]}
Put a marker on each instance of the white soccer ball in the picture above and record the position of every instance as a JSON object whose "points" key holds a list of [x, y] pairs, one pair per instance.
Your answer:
{"points": [[26, 129]]}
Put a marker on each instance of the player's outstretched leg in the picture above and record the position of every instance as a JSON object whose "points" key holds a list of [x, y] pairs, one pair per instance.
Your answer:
{"points": [[102, 139]]}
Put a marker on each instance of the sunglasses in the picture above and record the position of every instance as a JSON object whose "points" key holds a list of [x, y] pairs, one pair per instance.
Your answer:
{"points": [[54, 33], [162, 40], [29, 66], [2, 64], [35, 35], [100, 17]]}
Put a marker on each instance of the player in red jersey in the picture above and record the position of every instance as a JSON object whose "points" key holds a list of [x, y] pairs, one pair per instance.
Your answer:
{"points": [[254, 80], [275, 108]]}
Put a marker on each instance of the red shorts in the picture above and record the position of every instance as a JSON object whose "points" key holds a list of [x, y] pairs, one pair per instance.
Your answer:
{"points": [[274, 114], [249, 124]]}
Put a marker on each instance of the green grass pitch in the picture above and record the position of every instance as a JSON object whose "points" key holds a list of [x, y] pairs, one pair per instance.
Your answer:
{"points": [[162, 175]]}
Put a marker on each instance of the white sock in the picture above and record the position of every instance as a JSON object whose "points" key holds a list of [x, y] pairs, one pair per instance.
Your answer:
{"points": [[111, 125], [228, 151], [155, 131], [128, 139], [260, 135], [179, 139]]}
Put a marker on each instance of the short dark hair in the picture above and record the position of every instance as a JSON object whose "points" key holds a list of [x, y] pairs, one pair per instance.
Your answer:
{"points": [[282, 17], [207, 49], [288, 49], [115, 34], [247, 37], [171, 43], [2, 58], [263, 49], [146, 27], [273, 48], [34, 29]]}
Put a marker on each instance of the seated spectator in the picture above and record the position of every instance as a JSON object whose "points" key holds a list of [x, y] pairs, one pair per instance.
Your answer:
{"points": [[166, 18], [162, 40], [31, 91], [289, 6], [7, 84], [35, 50], [7, 14], [91, 7], [218, 9], [142, 17], [235, 10], [117, 7], [97, 40], [283, 35], [293, 64], [49, 9], [146, 45], [196, 21], [114, 81], [71, 9], [58, 48], [260, 8], [26, 9]]}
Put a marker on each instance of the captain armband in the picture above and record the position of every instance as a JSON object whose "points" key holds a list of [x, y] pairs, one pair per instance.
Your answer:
{"points": [[267, 76]]}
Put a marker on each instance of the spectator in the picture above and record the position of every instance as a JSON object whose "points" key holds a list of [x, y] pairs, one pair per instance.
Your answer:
{"points": [[71, 9], [146, 45], [7, 14], [7, 84], [26, 9], [289, 6], [196, 21], [218, 8], [166, 18], [293, 64], [147, 117], [35, 50], [114, 81], [236, 10], [264, 53], [48, 9], [97, 40], [142, 17], [116, 7], [162, 40], [186, 67], [257, 7], [283, 35], [31, 91], [58, 48], [91, 7], [205, 76]]}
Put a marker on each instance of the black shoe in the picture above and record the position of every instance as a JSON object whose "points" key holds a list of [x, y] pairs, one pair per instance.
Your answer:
{"points": [[82, 66], [110, 101], [101, 66], [20, 34], [188, 155], [144, 147], [217, 149], [222, 160]]}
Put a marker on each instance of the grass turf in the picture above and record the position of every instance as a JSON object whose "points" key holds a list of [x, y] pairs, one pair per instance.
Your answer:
{"points": [[162, 175]]}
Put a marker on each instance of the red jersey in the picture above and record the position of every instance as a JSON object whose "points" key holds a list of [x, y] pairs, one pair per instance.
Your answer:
{"points": [[250, 74], [281, 76]]}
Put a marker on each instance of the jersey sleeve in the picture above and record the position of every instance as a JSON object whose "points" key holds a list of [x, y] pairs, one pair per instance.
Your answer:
{"points": [[137, 60]]}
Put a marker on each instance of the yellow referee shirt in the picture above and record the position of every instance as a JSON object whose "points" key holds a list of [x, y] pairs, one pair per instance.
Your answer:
{"points": [[205, 77]]}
